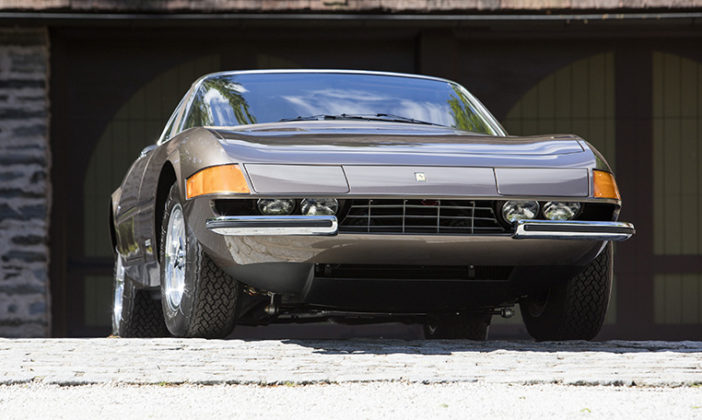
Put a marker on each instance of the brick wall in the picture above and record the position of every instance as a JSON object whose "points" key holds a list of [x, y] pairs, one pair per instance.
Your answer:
{"points": [[24, 184]]}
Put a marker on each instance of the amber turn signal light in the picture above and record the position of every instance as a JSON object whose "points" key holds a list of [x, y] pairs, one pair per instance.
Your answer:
{"points": [[604, 185], [216, 180]]}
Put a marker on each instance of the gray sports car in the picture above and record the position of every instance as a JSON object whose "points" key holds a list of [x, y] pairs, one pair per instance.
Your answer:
{"points": [[300, 196]]}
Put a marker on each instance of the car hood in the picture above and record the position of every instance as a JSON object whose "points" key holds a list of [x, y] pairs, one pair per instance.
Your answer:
{"points": [[380, 159], [378, 138]]}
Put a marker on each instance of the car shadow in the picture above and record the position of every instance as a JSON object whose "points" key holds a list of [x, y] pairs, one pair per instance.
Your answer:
{"points": [[395, 338], [449, 347]]}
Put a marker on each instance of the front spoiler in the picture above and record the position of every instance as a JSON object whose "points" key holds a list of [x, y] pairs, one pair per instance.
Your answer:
{"points": [[328, 226]]}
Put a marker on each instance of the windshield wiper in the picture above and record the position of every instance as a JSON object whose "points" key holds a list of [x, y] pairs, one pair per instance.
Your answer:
{"points": [[367, 117]]}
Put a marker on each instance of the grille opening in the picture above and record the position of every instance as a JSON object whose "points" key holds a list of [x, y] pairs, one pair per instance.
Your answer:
{"points": [[421, 216], [597, 211], [418, 272], [235, 207]]}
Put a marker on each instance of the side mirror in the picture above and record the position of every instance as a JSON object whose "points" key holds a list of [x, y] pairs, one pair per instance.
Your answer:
{"points": [[146, 150]]}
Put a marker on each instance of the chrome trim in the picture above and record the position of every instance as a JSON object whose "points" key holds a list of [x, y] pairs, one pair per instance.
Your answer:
{"points": [[573, 229], [273, 225]]}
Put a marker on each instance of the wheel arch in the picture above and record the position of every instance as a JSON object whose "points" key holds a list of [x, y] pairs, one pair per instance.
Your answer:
{"points": [[113, 232], [166, 178]]}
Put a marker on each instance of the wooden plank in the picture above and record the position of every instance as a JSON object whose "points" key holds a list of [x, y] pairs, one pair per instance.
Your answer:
{"points": [[688, 79], [545, 91], [562, 86], [596, 98], [690, 284], [609, 85], [530, 109], [659, 299], [581, 127], [579, 89], [690, 159], [690, 191], [659, 196], [657, 85], [673, 298], [671, 84], [611, 149], [598, 135], [671, 174]]}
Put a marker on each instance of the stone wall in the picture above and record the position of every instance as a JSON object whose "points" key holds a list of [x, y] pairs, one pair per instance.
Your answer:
{"points": [[24, 183]]}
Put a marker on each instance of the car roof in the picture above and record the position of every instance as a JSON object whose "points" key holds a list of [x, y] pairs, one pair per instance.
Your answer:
{"points": [[317, 71]]}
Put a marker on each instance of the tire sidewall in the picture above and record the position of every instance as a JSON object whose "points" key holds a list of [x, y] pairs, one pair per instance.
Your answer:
{"points": [[178, 318], [552, 322]]}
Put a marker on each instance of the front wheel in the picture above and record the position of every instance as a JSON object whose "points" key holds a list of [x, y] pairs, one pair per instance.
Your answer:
{"points": [[573, 309], [198, 298]]}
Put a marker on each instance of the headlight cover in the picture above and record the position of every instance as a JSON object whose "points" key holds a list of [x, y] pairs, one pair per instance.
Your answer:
{"points": [[319, 206], [275, 206], [515, 210], [558, 210]]}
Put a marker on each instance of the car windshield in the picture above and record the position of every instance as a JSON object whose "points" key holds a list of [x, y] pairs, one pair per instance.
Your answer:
{"points": [[252, 98]]}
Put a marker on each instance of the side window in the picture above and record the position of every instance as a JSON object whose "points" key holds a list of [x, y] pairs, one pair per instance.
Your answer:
{"points": [[194, 116], [174, 121], [169, 127]]}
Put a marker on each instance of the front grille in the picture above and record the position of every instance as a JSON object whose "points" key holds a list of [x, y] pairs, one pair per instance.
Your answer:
{"points": [[468, 217]]}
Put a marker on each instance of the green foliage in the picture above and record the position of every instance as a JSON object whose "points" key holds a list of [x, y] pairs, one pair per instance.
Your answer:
{"points": [[463, 114], [200, 114]]}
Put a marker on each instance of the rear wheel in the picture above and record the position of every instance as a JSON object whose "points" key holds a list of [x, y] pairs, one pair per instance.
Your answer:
{"points": [[135, 313], [198, 298], [468, 326], [573, 309]]}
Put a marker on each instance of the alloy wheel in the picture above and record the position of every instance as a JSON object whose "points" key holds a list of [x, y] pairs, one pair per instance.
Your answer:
{"points": [[174, 280], [118, 295]]}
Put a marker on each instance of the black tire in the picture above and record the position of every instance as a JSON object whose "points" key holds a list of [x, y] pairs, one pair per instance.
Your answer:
{"points": [[208, 305], [467, 326], [141, 314], [574, 309]]}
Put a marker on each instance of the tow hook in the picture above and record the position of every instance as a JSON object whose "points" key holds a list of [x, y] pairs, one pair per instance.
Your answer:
{"points": [[505, 312], [273, 308]]}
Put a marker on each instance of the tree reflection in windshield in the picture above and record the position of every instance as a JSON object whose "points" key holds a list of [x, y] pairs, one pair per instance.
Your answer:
{"points": [[464, 117], [259, 97], [219, 102]]}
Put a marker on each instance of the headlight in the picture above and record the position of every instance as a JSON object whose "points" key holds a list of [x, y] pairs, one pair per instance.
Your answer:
{"points": [[513, 210], [319, 206], [276, 207], [556, 210]]}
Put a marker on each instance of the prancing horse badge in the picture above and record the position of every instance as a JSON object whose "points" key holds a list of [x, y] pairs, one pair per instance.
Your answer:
{"points": [[420, 177]]}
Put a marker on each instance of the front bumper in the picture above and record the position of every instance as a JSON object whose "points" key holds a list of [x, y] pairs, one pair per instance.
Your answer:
{"points": [[573, 229], [273, 225], [328, 226]]}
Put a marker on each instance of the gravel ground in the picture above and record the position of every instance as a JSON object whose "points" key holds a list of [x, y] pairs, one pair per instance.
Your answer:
{"points": [[176, 378], [374, 400], [261, 362]]}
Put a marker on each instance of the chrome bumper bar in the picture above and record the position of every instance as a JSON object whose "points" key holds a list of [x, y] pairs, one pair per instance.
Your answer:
{"points": [[573, 229], [273, 225], [328, 225]]}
